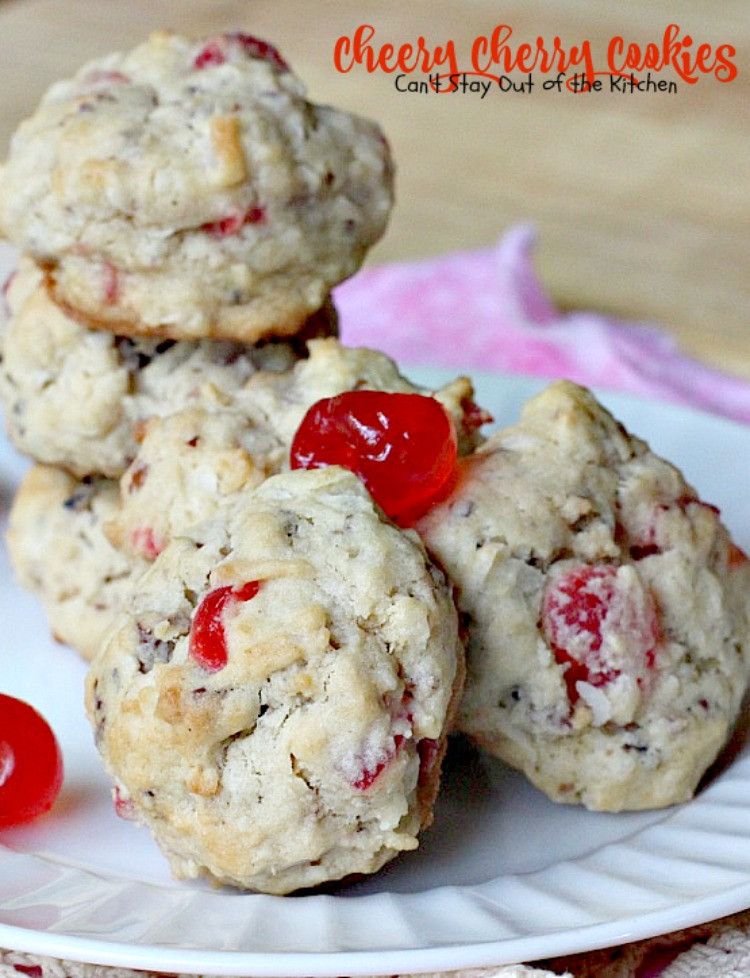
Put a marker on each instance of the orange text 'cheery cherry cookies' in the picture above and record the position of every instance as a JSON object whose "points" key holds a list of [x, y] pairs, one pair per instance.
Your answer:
{"points": [[604, 604], [189, 190], [275, 699]]}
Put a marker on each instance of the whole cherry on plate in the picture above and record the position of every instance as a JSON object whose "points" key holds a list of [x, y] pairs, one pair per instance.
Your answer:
{"points": [[31, 766]]}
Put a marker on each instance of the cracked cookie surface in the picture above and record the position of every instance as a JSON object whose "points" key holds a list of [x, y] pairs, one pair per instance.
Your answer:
{"points": [[188, 462], [280, 401], [186, 467]]}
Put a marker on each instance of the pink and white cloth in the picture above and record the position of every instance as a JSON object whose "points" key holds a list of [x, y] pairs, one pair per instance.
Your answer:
{"points": [[487, 310]]}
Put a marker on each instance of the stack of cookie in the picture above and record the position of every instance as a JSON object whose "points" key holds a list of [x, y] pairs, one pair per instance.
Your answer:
{"points": [[182, 213]]}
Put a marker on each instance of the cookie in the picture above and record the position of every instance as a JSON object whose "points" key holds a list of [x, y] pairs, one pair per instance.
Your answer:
{"points": [[189, 190], [273, 702], [187, 465], [605, 606], [59, 552], [280, 401], [77, 398]]}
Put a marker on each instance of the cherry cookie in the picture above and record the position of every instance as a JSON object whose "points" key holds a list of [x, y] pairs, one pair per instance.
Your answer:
{"points": [[281, 400], [77, 398], [189, 463], [189, 190], [605, 606], [60, 553], [274, 701]]}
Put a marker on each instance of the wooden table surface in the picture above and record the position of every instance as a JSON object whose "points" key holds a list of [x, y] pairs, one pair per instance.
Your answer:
{"points": [[641, 200]]}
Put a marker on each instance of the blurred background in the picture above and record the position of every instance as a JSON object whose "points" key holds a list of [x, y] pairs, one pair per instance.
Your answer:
{"points": [[641, 200]]}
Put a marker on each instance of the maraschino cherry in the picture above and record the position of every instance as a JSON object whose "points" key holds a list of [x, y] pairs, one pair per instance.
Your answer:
{"points": [[402, 446], [586, 610], [31, 767], [208, 641]]}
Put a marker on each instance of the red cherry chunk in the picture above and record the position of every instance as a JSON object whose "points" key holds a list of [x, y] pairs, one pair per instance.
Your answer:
{"points": [[106, 78], [212, 53], [735, 556], [429, 751], [233, 223], [146, 542], [600, 626], [474, 416], [208, 641], [402, 446], [653, 539], [369, 775], [373, 767], [209, 54], [124, 807], [255, 47], [31, 766], [110, 283]]}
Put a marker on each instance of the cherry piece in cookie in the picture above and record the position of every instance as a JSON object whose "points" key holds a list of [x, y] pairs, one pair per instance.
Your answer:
{"points": [[369, 775], [736, 557], [374, 763], [474, 416], [147, 543], [653, 538], [214, 51], [402, 446], [233, 223], [208, 642], [31, 767], [124, 807], [110, 282], [600, 625]]}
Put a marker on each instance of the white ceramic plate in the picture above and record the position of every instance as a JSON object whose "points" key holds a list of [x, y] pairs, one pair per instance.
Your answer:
{"points": [[503, 876]]}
